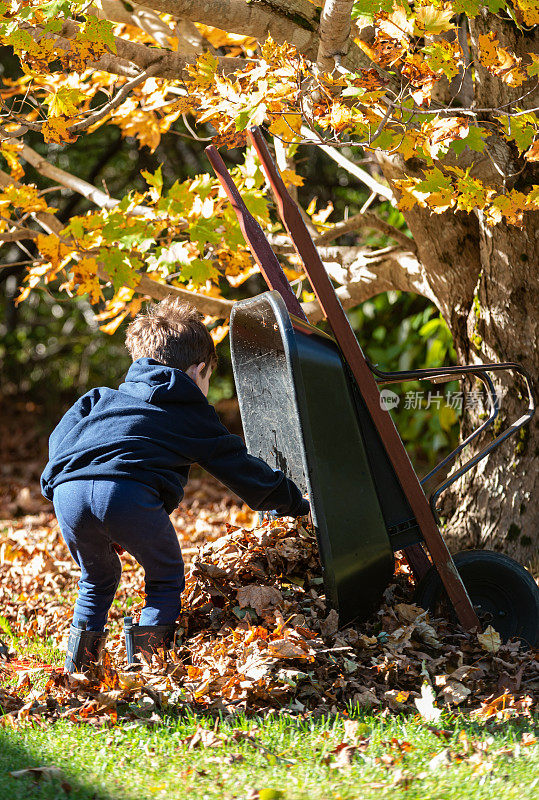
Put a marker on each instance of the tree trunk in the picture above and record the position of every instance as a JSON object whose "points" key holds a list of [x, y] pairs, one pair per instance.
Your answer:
{"points": [[496, 506], [485, 281]]}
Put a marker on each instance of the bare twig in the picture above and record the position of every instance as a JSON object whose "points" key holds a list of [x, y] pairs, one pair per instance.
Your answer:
{"points": [[361, 174]]}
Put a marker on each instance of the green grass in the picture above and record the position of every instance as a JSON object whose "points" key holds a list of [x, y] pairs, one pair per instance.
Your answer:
{"points": [[41, 648], [133, 761]]}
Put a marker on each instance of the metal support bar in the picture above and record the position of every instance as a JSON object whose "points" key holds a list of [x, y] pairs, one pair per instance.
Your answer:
{"points": [[353, 354], [429, 373], [480, 371]]}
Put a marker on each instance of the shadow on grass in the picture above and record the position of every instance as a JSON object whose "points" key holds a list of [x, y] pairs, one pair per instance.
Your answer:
{"points": [[15, 755]]}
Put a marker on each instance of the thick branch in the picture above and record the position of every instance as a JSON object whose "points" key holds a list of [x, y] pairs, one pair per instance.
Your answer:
{"points": [[366, 277], [170, 65], [367, 220], [292, 21], [18, 235], [334, 33], [212, 306], [76, 184]]}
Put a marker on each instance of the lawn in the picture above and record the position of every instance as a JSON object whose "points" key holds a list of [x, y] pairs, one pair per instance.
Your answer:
{"points": [[278, 756]]}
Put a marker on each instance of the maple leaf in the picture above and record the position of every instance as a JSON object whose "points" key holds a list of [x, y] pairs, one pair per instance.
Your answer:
{"points": [[291, 178], [56, 129], [432, 20], [474, 139], [533, 153], [86, 280], [286, 127], [397, 25], [499, 61], [9, 148], [522, 129], [120, 267], [64, 102], [53, 250], [203, 71], [419, 73], [198, 271], [444, 57], [529, 11]]}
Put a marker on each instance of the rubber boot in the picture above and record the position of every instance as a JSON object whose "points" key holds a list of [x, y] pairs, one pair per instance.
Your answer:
{"points": [[146, 639], [83, 647]]}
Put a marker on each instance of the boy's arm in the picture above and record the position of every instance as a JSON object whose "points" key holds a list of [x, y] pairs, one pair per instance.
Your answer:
{"points": [[260, 486]]}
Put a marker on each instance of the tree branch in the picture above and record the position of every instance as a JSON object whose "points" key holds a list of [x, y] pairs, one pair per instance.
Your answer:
{"points": [[117, 100], [335, 26], [292, 21], [366, 220], [361, 174], [366, 278], [18, 235], [76, 184]]}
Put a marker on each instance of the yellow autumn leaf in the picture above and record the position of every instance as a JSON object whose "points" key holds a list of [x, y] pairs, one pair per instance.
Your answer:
{"points": [[287, 127], [397, 25], [53, 250], [64, 102], [26, 198], [291, 178], [499, 61], [9, 148], [529, 10], [86, 280], [429, 19]]}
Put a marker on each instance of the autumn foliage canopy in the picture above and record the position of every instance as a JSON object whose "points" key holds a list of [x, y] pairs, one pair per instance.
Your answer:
{"points": [[392, 77]]}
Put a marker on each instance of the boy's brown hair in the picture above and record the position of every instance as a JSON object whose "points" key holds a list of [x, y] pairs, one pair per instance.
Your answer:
{"points": [[171, 332]]}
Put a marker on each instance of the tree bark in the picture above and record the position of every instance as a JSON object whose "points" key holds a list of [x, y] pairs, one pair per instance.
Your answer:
{"points": [[485, 281]]}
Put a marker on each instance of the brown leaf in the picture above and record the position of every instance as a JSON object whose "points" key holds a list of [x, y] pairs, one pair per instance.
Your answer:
{"points": [[37, 773], [330, 625], [261, 598]]}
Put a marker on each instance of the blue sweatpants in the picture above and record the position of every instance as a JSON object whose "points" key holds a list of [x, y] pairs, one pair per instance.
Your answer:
{"points": [[93, 515]]}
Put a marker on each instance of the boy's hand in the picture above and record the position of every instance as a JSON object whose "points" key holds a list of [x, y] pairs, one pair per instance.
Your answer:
{"points": [[264, 516]]}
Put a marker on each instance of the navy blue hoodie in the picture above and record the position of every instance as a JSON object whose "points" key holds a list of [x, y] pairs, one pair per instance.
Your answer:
{"points": [[151, 429]]}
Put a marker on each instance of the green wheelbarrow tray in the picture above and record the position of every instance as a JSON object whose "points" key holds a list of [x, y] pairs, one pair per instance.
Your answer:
{"points": [[299, 414]]}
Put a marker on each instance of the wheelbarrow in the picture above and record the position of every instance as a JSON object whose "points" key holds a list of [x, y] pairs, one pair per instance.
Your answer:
{"points": [[311, 406]]}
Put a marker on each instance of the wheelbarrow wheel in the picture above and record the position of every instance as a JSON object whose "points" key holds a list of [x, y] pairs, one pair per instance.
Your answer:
{"points": [[503, 593]]}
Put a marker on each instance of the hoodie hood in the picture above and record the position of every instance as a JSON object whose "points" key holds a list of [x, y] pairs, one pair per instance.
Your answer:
{"points": [[153, 382]]}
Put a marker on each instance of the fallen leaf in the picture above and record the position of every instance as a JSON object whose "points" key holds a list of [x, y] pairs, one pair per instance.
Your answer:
{"points": [[37, 773], [425, 704], [261, 598], [490, 640]]}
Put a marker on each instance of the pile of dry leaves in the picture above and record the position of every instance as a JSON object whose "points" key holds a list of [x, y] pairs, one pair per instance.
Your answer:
{"points": [[255, 633]]}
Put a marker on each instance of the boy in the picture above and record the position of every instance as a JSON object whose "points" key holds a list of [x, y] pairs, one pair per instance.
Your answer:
{"points": [[118, 462]]}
